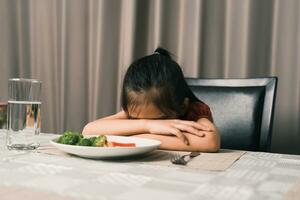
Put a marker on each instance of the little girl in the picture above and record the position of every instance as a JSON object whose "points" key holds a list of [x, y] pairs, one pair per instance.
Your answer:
{"points": [[157, 103]]}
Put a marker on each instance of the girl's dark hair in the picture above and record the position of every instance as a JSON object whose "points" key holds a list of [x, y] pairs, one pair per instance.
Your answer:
{"points": [[159, 80]]}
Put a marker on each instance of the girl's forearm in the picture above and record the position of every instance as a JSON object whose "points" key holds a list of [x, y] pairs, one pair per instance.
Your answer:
{"points": [[115, 127], [209, 143]]}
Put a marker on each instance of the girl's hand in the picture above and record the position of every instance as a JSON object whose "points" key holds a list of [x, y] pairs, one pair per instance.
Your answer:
{"points": [[176, 127]]}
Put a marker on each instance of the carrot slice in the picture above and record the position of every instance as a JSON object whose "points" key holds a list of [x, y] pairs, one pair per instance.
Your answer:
{"points": [[119, 144]]}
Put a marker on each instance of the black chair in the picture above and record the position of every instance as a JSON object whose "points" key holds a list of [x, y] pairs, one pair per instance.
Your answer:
{"points": [[242, 109]]}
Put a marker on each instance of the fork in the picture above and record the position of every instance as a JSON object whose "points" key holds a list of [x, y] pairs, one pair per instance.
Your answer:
{"points": [[180, 160]]}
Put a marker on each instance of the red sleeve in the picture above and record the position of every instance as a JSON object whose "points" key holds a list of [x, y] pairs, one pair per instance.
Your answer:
{"points": [[198, 110]]}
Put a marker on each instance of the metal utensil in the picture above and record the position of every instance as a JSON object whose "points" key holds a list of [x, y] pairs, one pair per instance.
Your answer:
{"points": [[178, 159]]}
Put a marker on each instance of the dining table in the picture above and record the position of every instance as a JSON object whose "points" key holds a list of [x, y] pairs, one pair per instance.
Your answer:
{"points": [[38, 175]]}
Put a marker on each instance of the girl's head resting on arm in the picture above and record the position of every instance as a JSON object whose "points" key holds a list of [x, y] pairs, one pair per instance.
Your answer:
{"points": [[154, 88]]}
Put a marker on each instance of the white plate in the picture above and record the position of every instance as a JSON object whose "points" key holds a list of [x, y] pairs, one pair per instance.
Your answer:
{"points": [[143, 145]]}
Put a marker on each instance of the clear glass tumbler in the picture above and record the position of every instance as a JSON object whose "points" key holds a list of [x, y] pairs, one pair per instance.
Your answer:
{"points": [[24, 113]]}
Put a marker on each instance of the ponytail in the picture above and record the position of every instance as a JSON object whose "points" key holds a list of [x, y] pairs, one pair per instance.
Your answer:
{"points": [[164, 52]]}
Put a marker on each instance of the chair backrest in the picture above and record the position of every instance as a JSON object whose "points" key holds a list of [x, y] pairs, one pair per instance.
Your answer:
{"points": [[242, 109]]}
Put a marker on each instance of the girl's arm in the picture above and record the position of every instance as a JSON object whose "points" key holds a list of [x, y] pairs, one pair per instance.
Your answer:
{"points": [[117, 124], [210, 142], [196, 136]]}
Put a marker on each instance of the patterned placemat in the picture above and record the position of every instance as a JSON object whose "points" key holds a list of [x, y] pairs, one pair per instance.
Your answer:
{"points": [[205, 161]]}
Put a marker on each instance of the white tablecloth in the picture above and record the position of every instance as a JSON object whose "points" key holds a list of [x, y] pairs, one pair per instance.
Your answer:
{"points": [[32, 175]]}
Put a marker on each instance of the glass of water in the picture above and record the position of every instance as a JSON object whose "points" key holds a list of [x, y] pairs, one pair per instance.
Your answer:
{"points": [[24, 113]]}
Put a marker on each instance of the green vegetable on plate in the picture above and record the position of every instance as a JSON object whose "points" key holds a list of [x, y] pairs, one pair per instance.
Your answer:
{"points": [[69, 137], [84, 142], [100, 141], [75, 138]]}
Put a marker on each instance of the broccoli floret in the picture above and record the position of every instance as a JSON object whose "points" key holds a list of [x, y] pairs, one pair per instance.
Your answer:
{"points": [[70, 138], [92, 139], [84, 142], [100, 141]]}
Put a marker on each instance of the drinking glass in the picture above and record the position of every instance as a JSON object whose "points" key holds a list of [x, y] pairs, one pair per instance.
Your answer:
{"points": [[24, 113]]}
